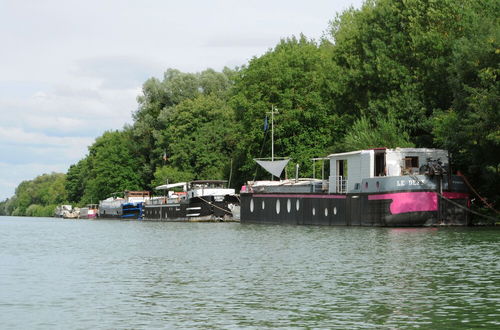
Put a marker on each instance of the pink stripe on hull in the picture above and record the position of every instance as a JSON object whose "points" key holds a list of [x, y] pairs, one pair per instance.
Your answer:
{"points": [[405, 202], [455, 195], [300, 196]]}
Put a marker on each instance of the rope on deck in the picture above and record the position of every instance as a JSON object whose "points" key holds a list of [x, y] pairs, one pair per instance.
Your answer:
{"points": [[209, 203], [453, 202]]}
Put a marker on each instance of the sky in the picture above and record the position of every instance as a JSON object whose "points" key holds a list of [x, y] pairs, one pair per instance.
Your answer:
{"points": [[71, 70]]}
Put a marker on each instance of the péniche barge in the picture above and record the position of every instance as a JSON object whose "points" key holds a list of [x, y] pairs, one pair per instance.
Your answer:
{"points": [[376, 187]]}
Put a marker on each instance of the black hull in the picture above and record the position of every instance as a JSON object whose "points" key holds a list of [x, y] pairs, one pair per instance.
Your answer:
{"points": [[375, 210], [205, 209]]}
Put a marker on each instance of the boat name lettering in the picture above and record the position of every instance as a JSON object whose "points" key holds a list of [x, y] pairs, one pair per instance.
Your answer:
{"points": [[402, 183]]}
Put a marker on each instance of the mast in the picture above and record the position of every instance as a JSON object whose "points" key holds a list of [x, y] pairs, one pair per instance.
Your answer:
{"points": [[274, 167], [272, 132], [273, 111]]}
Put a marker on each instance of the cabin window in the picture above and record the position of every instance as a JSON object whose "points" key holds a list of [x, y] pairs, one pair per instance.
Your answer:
{"points": [[411, 162]]}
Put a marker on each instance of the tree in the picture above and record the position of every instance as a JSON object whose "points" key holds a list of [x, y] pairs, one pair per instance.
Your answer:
{"points": [[394, 57], [76, 180], [299, 78], [470, 127], [162, 97], [112, 166], [385, 133], [41, 194], [199, 136], [3, 207], [169, 174]]}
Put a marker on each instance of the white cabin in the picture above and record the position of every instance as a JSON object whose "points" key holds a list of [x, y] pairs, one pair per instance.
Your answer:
{"points": [[208, 188], [201, 188], [348, 169]]}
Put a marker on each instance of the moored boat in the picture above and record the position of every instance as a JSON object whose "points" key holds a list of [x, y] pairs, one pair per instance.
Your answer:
{"points": [[128, 208], [197, 201], [376, 187], [63, 210], [89, 212]]}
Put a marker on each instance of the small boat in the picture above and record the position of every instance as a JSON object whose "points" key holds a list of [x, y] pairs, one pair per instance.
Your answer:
{"points": [[62, 210], [195, 201], [73, 214], [89, 212]]}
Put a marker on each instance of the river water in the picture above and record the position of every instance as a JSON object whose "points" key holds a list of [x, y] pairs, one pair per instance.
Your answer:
{"points": [[83, 274]]}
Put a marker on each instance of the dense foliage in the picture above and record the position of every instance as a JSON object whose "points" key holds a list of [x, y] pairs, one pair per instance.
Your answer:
{"points": [[298, 77], [38, 197], [183, 119], [392, 73], [110, 168]]}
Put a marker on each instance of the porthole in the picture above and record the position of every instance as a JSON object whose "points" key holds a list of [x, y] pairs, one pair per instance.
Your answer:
{"points": [[263, 205], [335, 210], [297, 204], [251, 205], [314, 211], [326, 211], [278, 206], [288, 205]]}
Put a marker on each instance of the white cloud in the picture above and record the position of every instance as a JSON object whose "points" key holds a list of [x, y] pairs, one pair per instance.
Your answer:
{"points": [[70, 110], [118, 72], [16, 136]]}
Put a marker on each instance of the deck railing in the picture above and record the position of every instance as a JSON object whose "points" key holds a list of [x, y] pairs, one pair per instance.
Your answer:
{"points": [[340, 185]]}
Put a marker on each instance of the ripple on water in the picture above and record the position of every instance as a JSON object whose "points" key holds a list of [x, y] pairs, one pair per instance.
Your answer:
{"points": [[118, 274]]}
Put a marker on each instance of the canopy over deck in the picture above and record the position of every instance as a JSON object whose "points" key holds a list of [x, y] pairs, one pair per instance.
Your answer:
{"points": [[172, 185]]}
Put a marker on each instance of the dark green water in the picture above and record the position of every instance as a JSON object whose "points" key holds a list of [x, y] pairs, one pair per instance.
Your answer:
{"points": [[76, 274]]}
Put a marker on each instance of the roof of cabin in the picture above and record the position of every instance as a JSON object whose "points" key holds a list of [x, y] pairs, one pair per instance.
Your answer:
{"points": [[396, 149]]}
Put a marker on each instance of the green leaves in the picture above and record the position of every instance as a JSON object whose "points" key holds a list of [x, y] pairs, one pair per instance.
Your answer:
{"points": [[470, 127], [199, 136], [163, 103], [37, 197], [295, 77], [110, 167], [385, 133], [169, 174]]}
